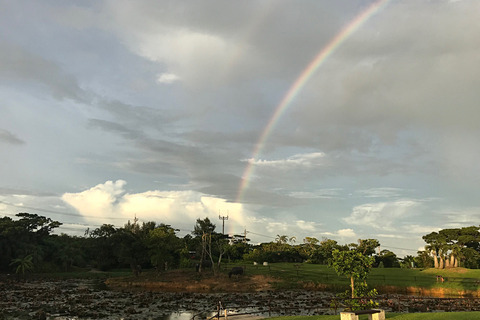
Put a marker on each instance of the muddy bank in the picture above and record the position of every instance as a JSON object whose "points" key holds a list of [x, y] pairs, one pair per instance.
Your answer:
{"points": [[192, 282]]}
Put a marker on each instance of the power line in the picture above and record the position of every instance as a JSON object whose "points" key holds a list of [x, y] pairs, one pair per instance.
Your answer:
{"points": [[262, 235], [399, 248]]}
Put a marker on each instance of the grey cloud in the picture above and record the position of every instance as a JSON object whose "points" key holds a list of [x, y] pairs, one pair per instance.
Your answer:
{"points": [[11, 191], [10, 138], [138, 115], [114, 127], [17, 64]]}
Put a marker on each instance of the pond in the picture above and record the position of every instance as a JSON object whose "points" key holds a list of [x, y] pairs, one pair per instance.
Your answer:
{"points": [[87, 299]]}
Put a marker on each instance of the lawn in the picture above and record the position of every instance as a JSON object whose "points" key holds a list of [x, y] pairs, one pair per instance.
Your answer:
{"points": [[297, 274], [398, 316]]}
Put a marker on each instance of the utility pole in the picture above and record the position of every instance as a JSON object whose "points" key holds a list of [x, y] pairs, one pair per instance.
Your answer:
{"points": [[223, 218]]}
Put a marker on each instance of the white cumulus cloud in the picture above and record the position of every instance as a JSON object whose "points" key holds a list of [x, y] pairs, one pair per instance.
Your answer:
{"points": [[172, 207]]}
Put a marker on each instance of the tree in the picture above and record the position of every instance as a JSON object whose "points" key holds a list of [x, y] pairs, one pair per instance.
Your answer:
{"points": [[408, 262], [388, 259], [435, 245], [352, 264], [424, 259], [366, 246], [102, 247], [309, 247], [203, 226], [449, 246], [325, 251], [23, 265], [164, 247], [213, 245], [23, 237]]}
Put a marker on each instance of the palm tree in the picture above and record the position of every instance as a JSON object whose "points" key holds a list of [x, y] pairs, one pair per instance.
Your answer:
{"points": [[432, 248], [23, 264]]}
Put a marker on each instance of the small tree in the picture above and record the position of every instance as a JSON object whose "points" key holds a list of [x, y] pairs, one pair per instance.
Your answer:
{"points": [[23, 265], [352, 264]]}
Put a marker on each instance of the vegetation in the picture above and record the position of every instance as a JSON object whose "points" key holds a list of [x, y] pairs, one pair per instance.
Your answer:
{"points": [[399, 316], [454, 247], [28, 244]]}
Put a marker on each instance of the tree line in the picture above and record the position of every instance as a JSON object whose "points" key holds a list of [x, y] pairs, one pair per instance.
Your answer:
{"points": [[451, 248], [29, 243]]}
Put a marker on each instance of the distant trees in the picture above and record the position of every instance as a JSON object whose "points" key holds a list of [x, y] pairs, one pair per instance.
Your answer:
{"points": [[387, 259], [280, 250], [28, 244], [451, 248], [23, 242]]}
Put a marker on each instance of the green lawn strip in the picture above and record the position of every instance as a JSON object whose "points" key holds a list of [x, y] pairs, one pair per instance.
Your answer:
{"points": [[398, 316], [292, 273]]}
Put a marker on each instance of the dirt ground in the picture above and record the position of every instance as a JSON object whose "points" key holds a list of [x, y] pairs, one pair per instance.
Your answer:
{"points": [[187, 281]]}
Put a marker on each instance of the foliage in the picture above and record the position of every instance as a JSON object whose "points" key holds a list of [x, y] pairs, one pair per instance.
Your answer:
{"points": [[454, 247], [23, 265], [387, 259], [366, 246], [164, 247], [352, 264], [23, 237], [364, 298]]}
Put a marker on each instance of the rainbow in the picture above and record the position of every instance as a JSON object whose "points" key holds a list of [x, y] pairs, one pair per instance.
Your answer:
{"points": [[300, 82]]}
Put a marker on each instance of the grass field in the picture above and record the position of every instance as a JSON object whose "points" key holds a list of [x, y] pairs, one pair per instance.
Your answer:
{"points": [[455, 279], [399, 316]]}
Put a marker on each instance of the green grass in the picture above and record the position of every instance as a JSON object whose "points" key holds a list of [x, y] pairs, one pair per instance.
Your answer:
{"points": [[295, 275], [398, 316]]}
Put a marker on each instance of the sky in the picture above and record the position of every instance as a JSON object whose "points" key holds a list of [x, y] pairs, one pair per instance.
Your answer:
{"points": [[345, 119]]}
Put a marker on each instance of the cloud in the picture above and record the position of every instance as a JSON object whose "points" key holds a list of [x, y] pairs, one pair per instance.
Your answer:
{"points": [[101, 200], [9, 138], [346, 233], [178, 208], [167, 78], [460, 217], [317, 194], [307, 226], [380, 192], [343, 235], [18, 64], [393, 236], [419, 229], [381, 215], [188, 53], [298, 160]]}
